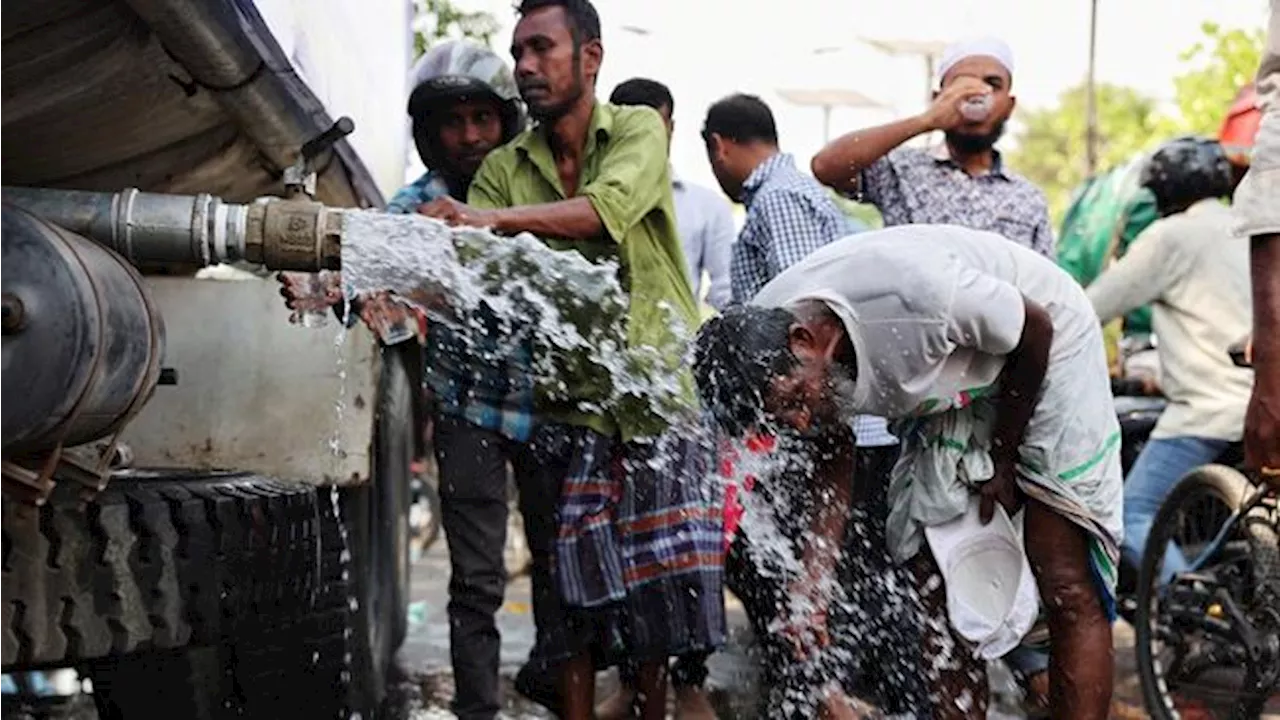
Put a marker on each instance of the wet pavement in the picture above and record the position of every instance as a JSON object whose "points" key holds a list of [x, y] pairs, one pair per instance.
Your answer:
{"points": [[425, 657], [424, 690]]}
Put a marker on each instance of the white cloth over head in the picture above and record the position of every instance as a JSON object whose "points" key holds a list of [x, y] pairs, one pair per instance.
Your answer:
{"points": [[985, 46]]}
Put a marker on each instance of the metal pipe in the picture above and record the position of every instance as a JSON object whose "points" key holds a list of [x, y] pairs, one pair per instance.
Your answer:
{"points": [[200, 230], [254, 82]]}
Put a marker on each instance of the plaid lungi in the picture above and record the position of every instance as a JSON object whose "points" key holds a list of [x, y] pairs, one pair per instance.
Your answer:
{"points": [[639, 546]]}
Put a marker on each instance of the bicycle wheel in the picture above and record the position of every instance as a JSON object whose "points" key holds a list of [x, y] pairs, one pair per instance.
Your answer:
{"points": [[1188, 648]]}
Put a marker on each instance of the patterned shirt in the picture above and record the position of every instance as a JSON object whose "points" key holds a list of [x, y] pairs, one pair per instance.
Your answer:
{"points": [[479, 377], [789, 215], [909, 185]]}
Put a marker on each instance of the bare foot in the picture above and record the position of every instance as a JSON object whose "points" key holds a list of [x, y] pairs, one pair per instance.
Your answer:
{"points": [[618, 706], [692, 704]]}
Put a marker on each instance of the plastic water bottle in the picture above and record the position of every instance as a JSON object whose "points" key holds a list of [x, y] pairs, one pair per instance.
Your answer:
{"points": [[976, 108]]}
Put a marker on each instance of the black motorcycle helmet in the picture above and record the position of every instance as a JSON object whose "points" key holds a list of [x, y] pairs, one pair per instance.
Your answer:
{"points": [[456, 69], [1186, 170]]}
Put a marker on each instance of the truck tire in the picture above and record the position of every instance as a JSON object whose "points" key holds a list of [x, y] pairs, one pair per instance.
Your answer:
{"points": [[262, 665], [377, 515], [157, 561], [335, 658]]}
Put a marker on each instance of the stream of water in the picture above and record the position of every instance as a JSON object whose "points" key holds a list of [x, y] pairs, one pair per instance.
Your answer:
{"points": [[573, 314]]}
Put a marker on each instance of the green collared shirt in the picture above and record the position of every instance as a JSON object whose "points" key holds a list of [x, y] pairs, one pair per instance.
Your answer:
{"points": [[626, 177]]}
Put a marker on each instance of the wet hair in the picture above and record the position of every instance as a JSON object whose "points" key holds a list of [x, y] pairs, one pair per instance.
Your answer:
{"points": [[643, 91], [736, 357], [741, 118], [584, 21]]}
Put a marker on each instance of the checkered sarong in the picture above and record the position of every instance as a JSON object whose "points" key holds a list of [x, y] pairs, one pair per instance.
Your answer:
{"points": [[640, 533]]}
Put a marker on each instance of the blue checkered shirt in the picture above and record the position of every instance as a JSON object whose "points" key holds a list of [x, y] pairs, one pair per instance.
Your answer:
{"points": [[479, 376], [789, 215]]}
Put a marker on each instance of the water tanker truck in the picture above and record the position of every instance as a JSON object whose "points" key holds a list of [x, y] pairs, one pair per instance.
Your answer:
{"points": [[204, 506]]}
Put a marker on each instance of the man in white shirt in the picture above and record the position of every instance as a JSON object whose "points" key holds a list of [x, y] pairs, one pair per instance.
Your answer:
{"points": [[703, 216], [1195, 271], [941, 327]]}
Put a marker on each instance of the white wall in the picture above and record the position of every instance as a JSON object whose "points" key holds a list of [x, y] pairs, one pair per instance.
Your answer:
{"points": [[355, 56]]}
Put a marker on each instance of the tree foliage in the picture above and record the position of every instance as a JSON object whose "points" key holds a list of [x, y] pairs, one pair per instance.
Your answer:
{"points": [[1051, 142], [438, 20], [1220, 64]]}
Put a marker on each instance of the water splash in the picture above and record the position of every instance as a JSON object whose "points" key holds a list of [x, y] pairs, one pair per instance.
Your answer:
{"points": [[571, 311]]}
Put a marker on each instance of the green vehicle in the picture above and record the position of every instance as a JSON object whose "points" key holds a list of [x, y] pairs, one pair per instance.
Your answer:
{"points": [[1107, 213]]}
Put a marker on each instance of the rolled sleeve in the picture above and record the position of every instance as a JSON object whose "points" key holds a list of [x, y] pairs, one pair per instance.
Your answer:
{"points": [[634, 172], [987, 313], [1257, 200], [878, 184]]}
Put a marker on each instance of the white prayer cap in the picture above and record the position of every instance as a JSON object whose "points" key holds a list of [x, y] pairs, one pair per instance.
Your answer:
{"points": [[987, 46]]}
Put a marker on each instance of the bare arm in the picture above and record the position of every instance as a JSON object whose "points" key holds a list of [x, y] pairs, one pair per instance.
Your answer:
{"points": [[843, 159], [572, 219], [1262, 423], [1020, 382], [811, 592], [839, 163]]}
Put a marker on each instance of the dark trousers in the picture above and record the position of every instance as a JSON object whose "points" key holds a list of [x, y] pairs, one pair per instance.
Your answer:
{"points": [[473, 499]]}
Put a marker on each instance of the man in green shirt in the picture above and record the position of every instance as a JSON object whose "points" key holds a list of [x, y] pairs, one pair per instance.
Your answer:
{"points": [[637, 559]]}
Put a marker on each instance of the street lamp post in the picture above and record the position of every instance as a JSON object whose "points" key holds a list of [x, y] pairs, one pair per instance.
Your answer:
{"points": [[1091, 95]]}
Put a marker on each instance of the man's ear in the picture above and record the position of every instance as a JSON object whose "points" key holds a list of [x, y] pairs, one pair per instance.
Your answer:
{"points": [[801, 339], [1013, 102], [592, 58]]}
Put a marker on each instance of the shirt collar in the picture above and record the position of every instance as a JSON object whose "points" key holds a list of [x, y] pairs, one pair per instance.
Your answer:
{"points": [[598, 131], [1205, 205], [941, 154], [762, 173]]}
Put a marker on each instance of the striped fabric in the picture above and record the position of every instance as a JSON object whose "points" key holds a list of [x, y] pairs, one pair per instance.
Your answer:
{"points": [[640, 531]]}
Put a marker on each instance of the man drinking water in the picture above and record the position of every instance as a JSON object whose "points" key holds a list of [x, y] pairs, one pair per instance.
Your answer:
{"points": [[990, 361]]}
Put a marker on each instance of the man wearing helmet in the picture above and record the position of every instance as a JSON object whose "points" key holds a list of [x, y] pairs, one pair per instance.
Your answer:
{"points": [[464, 103], [1194, 271]]}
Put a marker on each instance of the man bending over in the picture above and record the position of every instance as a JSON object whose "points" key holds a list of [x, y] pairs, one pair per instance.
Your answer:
{"points": [[990, 360]]}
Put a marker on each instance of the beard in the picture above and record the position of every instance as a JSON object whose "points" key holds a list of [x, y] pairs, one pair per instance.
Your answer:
{"points": [[549, 110], [970, 144]]}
